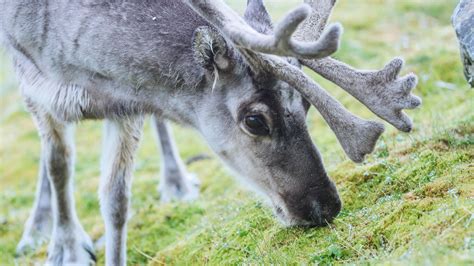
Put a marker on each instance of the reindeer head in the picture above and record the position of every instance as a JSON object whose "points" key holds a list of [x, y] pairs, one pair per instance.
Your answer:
{"points": [[259, 126], [259, 131]]}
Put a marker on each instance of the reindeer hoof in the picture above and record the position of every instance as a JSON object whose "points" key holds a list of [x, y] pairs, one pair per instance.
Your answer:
{"points": [[30, 242], [37, 231], [71, 247], [184, 187]]}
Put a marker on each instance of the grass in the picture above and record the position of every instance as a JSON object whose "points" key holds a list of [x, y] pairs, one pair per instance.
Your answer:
{"points": [[411, 202]]}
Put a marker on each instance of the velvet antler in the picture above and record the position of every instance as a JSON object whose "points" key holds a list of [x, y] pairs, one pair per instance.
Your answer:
{"points": [[386, 97], [357, 136], [382, 91], [280, 43]]}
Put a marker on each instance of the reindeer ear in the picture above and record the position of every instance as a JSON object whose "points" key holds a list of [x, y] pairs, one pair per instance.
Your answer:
{"points": [[211, 50]]}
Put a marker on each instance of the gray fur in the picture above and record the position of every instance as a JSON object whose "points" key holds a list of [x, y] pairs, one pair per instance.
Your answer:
{"points": [[121, 60]]}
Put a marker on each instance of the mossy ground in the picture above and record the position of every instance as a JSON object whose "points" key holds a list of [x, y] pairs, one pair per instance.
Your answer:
{"points": [[411, 202]]}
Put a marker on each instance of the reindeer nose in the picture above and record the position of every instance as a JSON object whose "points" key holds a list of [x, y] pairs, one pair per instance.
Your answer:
{"points": [[318, 206], [325, 206], [330, 211]]}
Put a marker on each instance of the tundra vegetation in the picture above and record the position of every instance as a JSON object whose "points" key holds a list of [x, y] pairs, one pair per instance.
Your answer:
{"points": [[411, 201]]}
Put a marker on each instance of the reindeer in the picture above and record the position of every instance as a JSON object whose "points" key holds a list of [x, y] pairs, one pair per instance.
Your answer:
{"points": [[237, 81]]}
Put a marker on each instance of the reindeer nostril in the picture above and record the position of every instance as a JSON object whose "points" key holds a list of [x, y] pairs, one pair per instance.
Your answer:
{"points": [[278, 210], [316, 214], [331, 211], [322, 213]]}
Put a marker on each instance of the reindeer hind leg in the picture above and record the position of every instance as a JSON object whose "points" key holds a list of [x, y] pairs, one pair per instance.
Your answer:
{"points": [[176, 182], [39, 224]]}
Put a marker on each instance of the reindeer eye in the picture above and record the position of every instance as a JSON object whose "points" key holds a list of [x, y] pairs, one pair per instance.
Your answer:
{"points": [[256, 125]]}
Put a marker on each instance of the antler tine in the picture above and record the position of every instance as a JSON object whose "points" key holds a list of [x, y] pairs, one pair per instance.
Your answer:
{"points": [[281, 43], [256, 15], [356, 135], [381, 91], [314, 25]]}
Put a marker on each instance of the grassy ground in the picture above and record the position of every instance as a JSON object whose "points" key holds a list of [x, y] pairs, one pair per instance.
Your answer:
{"points": [[411, 202]]}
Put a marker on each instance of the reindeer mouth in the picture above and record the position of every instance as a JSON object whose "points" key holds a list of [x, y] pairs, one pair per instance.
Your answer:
{"points": [[290, 220]]}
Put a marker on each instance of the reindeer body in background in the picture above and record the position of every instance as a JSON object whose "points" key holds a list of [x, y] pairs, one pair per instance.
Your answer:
{"points": [[235, 80]]}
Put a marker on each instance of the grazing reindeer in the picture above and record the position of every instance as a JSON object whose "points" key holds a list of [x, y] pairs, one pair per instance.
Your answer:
{"points": [[237, 81]]}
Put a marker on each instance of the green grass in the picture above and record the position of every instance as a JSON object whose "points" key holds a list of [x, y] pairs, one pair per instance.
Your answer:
{"points": [[411, 202]]}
